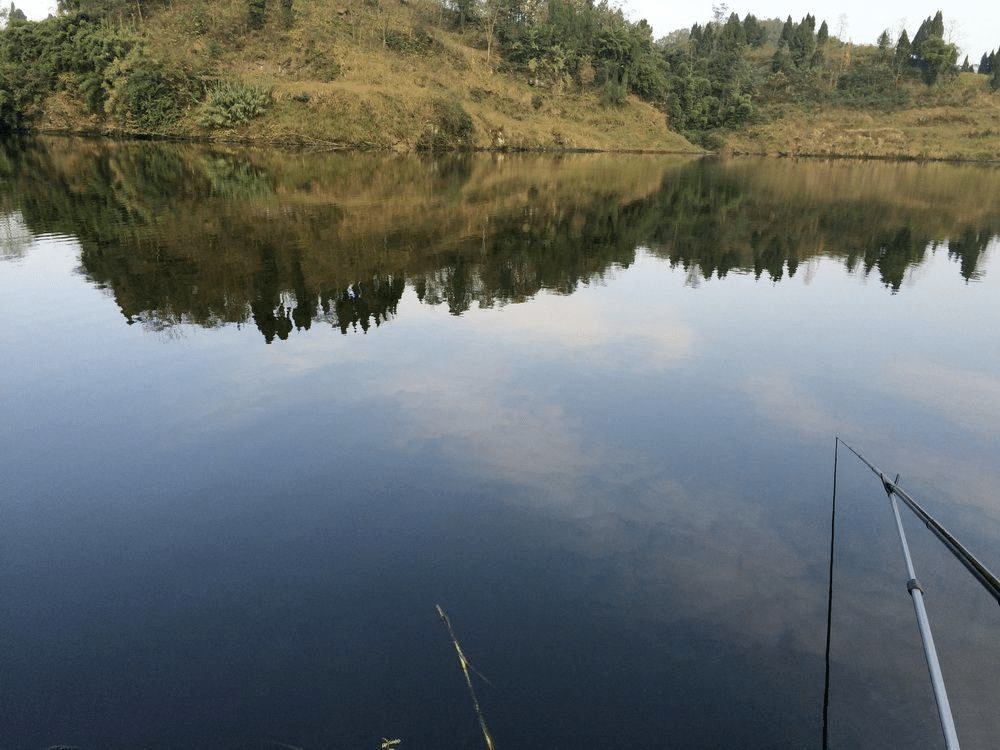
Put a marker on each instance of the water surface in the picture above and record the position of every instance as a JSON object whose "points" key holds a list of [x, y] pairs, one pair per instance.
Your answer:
{"points": [[262, 411]]}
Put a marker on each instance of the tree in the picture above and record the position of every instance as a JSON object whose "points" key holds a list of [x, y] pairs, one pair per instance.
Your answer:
{"points": [[779, 60], [13, 15], [937, 25], [786, 32], [903, 51], [937, 57], [822, 35], [931, 28], [695, 36], [930, 53], [754, 31], [466, 11], [494, 9], [732, 36], [987, 63], [802, 43], [706, 41]]}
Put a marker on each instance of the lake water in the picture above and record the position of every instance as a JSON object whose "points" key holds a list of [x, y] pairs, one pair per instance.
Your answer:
{"points": [[263, 411]]}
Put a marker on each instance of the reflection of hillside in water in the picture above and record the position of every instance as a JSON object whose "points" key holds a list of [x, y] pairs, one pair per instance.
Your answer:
{"points": [[185, 234], [771, 215]]}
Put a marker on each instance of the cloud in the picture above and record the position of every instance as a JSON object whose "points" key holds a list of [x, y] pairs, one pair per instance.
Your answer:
{"points": [[969, 399], [472, 413], [779, 399], [589, 325]]}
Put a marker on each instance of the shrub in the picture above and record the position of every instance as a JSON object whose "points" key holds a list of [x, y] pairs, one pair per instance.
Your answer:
{"points": [[869, 86], [72, 51], [614, 93], [142, 94], [232, 103], [257, 13], [451, 127], [319, 66]]}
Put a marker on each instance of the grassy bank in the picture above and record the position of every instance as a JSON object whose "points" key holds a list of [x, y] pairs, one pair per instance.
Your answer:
{"points": [[359, 74], [960, 123]]}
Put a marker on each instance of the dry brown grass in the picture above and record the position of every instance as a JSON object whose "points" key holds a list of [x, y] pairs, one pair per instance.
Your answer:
{"points": [[354, 73], [960, 122]]}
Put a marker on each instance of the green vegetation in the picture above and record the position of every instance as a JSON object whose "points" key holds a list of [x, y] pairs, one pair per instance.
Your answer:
{"points": [[456, 74], [451, 127], [232, 103], [989, 65]]}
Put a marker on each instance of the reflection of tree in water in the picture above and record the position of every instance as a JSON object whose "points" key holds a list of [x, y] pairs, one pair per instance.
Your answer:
{"points": [[164, 290], [968, 248], [891, 253], [14, 236], [180, 239], [715, 222], [554, 248], [358, 306]]}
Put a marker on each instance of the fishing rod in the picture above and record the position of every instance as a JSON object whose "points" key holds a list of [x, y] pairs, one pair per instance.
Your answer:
{"points": [[981, 573], [464, 663], [974, 566]]}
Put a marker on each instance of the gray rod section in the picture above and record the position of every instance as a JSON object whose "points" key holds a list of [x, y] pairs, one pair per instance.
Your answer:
{"points": [[892, 489], [924, 625]]}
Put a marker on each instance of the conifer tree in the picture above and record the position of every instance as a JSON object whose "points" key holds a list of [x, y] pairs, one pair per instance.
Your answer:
{"points": [[802, 43], [930, 52], [786, 33], [903, 51], [987, 63], [754, 31], [732, 36], [13, 15], [822, 35]]}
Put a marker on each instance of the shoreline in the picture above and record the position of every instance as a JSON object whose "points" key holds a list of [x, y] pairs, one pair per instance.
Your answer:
{"points": [[317, 145]]}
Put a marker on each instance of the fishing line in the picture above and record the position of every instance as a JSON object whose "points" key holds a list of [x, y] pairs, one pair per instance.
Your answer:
{"points": [[829, 599]]}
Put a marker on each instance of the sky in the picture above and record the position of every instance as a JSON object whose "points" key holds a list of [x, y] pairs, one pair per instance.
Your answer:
{"points": [[973, 25]]}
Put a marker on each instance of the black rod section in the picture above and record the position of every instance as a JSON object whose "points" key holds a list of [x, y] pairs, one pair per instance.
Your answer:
{"points": [[978, 570]]}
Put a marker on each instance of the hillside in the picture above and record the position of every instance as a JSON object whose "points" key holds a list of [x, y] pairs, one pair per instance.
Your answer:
{"points": [[396, 74], [857, 104], [438, 75]]}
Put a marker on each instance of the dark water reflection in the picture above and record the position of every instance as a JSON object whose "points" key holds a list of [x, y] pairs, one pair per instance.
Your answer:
{"points": [[592, 417], [181, 234]]}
